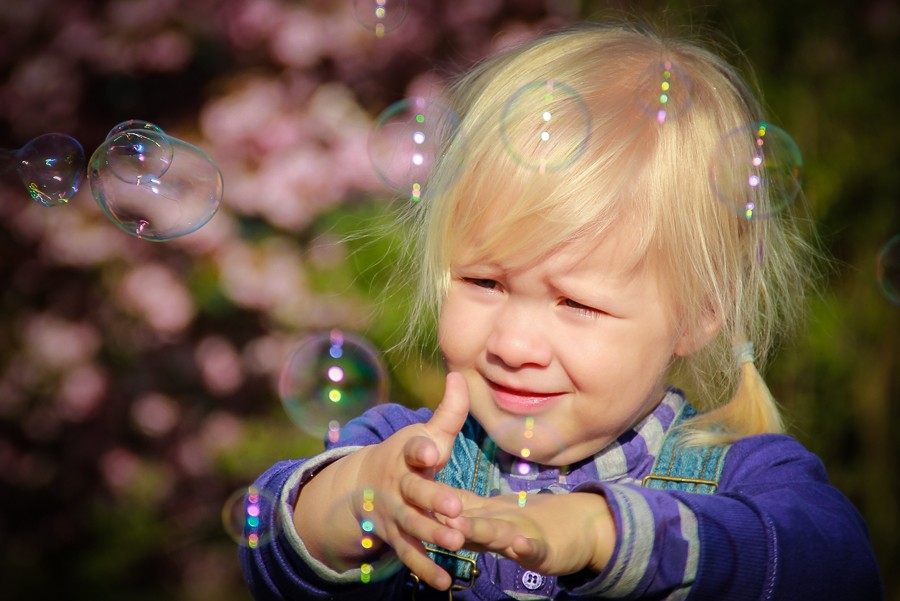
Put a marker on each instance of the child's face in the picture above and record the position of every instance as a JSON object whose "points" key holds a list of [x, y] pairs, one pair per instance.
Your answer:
{"points": [[574, 342]]}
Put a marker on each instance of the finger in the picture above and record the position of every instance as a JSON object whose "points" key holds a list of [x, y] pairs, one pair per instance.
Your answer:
{"points": [[421, 453], [451, 414], [487, 533], [432, 496], [531, 551], [416, 524], [412, 553]]}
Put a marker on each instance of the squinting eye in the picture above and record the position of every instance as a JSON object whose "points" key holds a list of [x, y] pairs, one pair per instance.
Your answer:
{"points": [[482, 282], [584, 309]]}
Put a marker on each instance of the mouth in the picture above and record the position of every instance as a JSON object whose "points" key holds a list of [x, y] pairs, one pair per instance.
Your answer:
{"points": [[522, 402]]}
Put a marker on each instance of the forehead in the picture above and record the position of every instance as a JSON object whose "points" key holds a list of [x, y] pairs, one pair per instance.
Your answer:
{"points": [[617, 253]]}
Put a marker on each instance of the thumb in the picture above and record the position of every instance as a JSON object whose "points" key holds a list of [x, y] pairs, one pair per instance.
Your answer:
{"points": [[451, 414]]}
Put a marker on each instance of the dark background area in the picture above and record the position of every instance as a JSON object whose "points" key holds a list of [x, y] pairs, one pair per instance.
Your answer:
{"points": [[138, 379]]}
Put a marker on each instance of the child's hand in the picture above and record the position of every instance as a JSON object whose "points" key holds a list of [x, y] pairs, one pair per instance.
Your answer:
{"points": [[407, 461], [551, 534]]}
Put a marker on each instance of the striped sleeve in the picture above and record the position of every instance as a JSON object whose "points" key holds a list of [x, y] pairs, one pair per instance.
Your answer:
{"points": [[657, 550]]}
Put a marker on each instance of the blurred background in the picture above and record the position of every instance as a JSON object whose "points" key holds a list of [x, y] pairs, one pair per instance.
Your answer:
{"points": [[139, 380]]}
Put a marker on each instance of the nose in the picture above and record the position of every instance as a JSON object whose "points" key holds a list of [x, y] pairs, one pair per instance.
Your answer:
{"points": [[517, 338]]}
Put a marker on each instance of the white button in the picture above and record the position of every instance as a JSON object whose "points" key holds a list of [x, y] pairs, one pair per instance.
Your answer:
{"points": [[532, 580]]}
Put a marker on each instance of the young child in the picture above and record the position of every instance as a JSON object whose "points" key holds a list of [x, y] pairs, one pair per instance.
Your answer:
{"points": [[577, 245]]}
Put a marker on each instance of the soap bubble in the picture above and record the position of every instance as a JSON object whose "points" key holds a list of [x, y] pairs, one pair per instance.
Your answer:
{"points": [[755, 170], [380, 16], [330, 378], [138, 151], [150, 193], [665, 91], [545, 126], [888, 270], [51, 167], [408, 138], [250, 516], [366, 506]]}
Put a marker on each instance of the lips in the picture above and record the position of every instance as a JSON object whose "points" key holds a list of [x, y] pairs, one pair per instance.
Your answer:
{"points": [[522, 402]]}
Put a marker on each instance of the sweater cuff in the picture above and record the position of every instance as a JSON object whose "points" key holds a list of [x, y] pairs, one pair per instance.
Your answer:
{"points": [[290, 492]]}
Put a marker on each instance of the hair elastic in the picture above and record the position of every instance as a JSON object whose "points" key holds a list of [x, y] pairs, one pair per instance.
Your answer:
{"points": [[743, 353]]}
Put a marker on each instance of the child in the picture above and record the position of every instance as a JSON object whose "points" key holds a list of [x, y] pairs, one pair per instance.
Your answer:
{"points": [[576, 251]]}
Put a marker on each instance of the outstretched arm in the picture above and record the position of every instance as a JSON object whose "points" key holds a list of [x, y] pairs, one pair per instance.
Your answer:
{"points": [[414, 453]]}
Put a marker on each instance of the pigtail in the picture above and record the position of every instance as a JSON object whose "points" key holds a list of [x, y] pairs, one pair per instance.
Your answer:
{"points": [[752, 409]]}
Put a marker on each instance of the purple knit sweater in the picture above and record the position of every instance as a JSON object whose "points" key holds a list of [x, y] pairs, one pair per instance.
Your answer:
{"points": [[775, 530]]}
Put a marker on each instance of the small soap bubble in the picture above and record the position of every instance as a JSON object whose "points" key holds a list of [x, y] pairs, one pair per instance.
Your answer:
{"points": [[367, 505], [380, 16], [157, 198], [756, 170], [665, 92], [51, 167], [250, 516], [406, 142], [888, 270], [330, 378], [138, 151], [545, 126]]}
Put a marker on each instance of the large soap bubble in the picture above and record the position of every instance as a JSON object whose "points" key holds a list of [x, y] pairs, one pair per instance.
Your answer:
{"points": [[330, 378], [407, 141], [545, 126], [152, 185], [756, 170]]}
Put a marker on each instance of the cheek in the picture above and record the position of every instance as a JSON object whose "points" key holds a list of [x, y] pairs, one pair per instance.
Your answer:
{"points": [[452, 332]]}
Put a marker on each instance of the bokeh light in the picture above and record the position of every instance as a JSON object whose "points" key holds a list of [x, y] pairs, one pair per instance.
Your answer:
{"points": [[408, 139], [380, 16], [330, 378], [545, 126], [888, 270], [250, 516], [368, 504], [665, 92], [148, 194], [525, 441], [50, 166], [756, 170]]}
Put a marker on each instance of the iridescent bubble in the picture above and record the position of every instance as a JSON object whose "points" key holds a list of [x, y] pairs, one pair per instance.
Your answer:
{"points": [[156, 198], [250, 516], [406, 142], [665, 92], [367, 505], [755, 170], [888, 270], [545, 126], [50, 166], [330, 378], [380, 16], [138, 151]]}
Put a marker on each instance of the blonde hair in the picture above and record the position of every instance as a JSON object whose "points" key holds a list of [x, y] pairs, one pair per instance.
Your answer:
{"points": [[622, 161]]}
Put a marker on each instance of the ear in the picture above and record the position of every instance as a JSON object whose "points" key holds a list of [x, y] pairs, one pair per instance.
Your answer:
{"points": [[699, 334]]}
